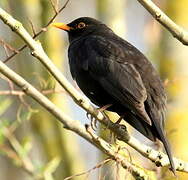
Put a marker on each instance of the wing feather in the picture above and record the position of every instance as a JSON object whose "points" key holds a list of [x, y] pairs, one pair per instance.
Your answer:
{"points": [[119, 78]]}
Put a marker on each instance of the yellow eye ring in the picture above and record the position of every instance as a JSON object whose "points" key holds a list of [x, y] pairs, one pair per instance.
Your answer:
{"points": [[81, 25]]}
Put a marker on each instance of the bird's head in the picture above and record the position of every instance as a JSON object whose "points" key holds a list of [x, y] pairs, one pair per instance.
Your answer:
{"points": [[81, 27]]}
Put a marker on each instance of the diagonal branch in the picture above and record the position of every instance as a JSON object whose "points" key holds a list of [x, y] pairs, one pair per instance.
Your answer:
{"points": [[8, 47], [69, 123], [57, 12], [177, 31], [21, 93], [159, 158]]}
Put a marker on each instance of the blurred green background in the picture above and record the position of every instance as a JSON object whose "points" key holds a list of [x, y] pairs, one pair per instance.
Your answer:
{"points": [[33, 145]]}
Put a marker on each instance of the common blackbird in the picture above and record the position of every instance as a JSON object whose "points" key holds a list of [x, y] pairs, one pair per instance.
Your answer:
{"points": [[111, 71]]}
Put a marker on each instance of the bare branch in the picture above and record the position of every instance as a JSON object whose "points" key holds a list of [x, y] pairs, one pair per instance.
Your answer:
{"points": [[32, 27], [21, 93], [8, 46], [116, 155], [11, 56], [177, 31], [6, 51], [70, 124], [38, 33], [10, 84], [37, 51], [99, 165], [54, 6]]}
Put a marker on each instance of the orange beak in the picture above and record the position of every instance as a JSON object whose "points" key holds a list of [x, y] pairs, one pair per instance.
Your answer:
{"points": [[62, 26]]}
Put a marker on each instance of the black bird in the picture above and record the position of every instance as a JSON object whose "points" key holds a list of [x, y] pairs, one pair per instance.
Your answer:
{"points": [[111, 71]]}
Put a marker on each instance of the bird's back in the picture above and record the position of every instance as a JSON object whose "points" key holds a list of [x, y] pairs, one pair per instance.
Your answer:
{"points": [[83, 51]]}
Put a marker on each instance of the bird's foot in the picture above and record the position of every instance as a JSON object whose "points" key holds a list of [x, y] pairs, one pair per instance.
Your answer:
{"points": [[123, 128], [114, 137], [93, 119], [93, 122], [120, 119]]}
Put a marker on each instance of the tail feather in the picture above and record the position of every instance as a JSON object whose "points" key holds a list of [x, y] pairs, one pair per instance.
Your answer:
{"points": [[151, 132], [156, 111], [140, 126], [163, 139]]}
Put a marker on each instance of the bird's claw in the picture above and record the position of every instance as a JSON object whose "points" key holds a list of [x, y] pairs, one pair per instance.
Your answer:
{"points": [[120, 119], [93, 121], [103, 108]]}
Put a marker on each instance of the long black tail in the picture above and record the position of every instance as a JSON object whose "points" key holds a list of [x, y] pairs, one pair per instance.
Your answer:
{"points": [[151, 132], [166, 144]]}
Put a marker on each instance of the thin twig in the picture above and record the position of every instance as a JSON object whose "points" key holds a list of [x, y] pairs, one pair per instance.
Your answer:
{"points": [[38, 33], [32, 27], [8, 46], [99, 165], [21, 93], [54, 6], [23, 101], [6, 51], [10, 84]]}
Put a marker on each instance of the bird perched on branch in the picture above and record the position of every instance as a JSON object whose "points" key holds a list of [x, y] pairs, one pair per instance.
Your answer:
{"points": [[113, 73]]}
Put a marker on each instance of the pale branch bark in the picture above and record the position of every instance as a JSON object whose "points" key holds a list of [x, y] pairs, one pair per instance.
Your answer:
{"points": [[136, 172], [8, 46], [177, 31], [71, 124], [36, 34], [21, 93], [159, 158], [97, 166]]}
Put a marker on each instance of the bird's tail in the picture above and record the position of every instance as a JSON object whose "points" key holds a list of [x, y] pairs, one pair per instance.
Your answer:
{"points": [[166, 144], [151, 132]]}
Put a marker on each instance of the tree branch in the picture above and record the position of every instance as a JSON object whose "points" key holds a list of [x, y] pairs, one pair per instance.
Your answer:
{"points": [[177, 31], [159, 158], [70, 124], [36, 34], [21, 93]]}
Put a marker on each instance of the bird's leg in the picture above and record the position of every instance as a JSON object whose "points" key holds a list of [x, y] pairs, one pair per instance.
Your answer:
{"points": [[93, 120], [103, 108], [117, 122], [120, 119]]}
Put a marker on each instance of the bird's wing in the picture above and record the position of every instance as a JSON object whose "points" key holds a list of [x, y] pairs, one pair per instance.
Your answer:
{"points": [[107, 64]]}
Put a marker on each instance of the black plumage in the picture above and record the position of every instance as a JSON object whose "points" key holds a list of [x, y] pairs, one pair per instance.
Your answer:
{"points": [[109, 70]]}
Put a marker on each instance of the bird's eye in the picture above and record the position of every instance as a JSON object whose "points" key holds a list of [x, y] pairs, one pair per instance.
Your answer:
{"points": [[81, 25]]}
